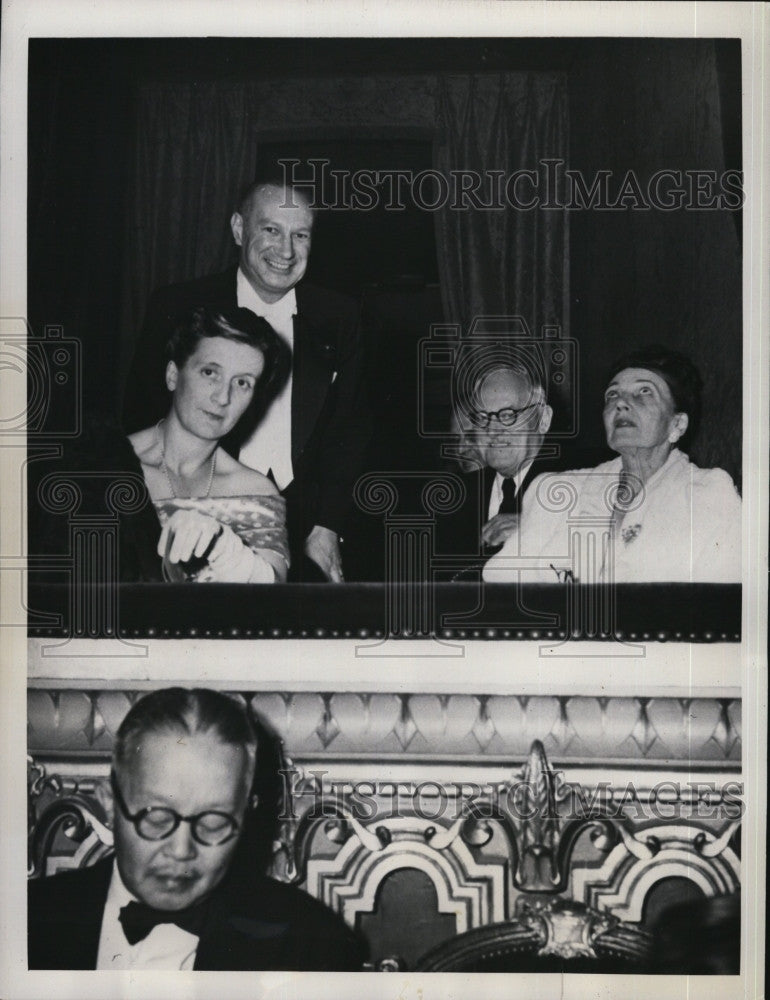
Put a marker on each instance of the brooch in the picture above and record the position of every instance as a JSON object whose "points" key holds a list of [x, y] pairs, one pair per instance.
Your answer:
{"points": [[630, 533]]}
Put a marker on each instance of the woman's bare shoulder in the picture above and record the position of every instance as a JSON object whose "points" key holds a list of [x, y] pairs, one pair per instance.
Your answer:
{"points": [[240, 480], [144, 443]]}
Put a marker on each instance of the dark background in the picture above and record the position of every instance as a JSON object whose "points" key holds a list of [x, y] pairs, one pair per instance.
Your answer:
{"points": [[634, 277]]}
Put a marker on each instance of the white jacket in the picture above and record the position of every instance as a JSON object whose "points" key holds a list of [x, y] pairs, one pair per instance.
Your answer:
{"points": [[685, 526]]}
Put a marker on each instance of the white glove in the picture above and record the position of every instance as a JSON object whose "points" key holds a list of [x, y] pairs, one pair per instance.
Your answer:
{"points": [[187, 533], [230, 561]]}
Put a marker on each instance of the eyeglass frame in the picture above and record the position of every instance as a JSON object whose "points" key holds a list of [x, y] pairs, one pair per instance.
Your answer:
{"points": [[473, 415], [136, 818]]}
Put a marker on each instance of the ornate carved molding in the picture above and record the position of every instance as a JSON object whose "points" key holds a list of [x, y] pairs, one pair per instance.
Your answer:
{"points": [[474, 893], [62, 809], [541, 928], [676, 850], [366, 726]]}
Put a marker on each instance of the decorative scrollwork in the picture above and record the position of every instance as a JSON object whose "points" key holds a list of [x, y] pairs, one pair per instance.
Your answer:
{"points": [[625, 494], [709, 846], [375, 495], [59, 493], [565, 929], [127, 494], [444, 495], [556, 494]]}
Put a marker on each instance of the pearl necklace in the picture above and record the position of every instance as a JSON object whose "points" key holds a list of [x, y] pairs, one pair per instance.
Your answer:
{"points": [[164, 467]]}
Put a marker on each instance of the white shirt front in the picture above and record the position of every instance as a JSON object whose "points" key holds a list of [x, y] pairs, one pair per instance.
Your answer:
{"points": [[165, 947], [496, 494], [269, 447]]}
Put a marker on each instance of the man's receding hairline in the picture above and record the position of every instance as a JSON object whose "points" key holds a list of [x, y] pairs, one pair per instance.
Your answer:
{"points": [[131, 743], [131, 746], [296, 192], [511, 372]]}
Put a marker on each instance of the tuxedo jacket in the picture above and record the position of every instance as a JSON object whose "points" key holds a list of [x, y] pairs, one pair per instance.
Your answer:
{"points": [[329, 418], [251, 925], [459, 534]]}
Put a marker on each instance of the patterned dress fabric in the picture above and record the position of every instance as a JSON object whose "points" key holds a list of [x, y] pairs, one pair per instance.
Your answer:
{"points": [[259, 521]]}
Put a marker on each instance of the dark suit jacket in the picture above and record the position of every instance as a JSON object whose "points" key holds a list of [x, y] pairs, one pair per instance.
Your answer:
{"points": [[253, 924], [329, 420], [460, 533]]}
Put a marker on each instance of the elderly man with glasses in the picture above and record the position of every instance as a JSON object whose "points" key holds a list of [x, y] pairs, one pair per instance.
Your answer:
{"points": [[501, 417], [172, 896]]}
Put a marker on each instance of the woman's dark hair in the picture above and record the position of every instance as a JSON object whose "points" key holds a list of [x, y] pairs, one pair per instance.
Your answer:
{"points": [[243, 327], [678, 372]]}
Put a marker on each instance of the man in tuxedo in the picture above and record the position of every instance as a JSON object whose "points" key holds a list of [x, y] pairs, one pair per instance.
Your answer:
{"points": [[502, 420], [180, 892], [313, 436]]}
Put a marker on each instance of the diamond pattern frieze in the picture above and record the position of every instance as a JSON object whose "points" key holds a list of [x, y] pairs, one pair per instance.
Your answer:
{"points": [[110, 709], [405, 728], [724, 736], [587, 721], [563, 731], [569, 727], [60, 720], [364, 720], [644, 734], [328, 728], [624, 726], [483, 728]]}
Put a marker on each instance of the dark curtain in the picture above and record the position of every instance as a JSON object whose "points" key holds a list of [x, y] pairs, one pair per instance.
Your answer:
{"points": [[510, 261], [645, 276], [195, 152]]}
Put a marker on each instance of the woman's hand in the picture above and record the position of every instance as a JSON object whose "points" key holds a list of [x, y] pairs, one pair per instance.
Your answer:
{"points": [[231, 561], [188, 534]]}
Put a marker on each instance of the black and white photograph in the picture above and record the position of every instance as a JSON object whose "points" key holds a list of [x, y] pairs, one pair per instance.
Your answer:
{"points": [[384, 556]]}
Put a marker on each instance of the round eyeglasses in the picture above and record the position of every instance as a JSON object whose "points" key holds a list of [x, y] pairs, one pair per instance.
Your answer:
{"points": [[506, 417], [210, 828]]}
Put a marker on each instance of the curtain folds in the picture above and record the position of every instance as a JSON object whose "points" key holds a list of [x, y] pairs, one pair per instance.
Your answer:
{"points": [[196, 147], [511, 259], [195, 152]]}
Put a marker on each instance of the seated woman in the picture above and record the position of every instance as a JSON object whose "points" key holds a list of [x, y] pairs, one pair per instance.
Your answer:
{"points": [[652, 513], [221, 521]]}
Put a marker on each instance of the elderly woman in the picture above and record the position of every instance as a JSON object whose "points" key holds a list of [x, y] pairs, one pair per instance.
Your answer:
{"points": [[219, 520], [649, 514]]}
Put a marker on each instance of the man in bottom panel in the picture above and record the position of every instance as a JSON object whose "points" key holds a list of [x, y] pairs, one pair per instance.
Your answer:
{"points": [[172, 898]]}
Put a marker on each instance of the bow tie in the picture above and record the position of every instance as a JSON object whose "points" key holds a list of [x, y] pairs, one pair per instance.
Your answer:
{"points": [[138, 919]]}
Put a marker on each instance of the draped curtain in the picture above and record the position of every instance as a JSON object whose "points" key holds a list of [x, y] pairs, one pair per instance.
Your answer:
{"points": [[195, 152], [510, 260], [507, 260], [196, 148]]}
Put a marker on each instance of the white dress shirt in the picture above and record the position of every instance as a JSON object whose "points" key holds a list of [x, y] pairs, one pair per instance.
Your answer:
{"points": [[165, 947], [269, 447], [496, 494]]}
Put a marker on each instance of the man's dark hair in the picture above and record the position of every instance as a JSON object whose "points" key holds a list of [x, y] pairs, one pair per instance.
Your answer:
{"points": [[243, 327], [677, 371], [188, 712]]}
